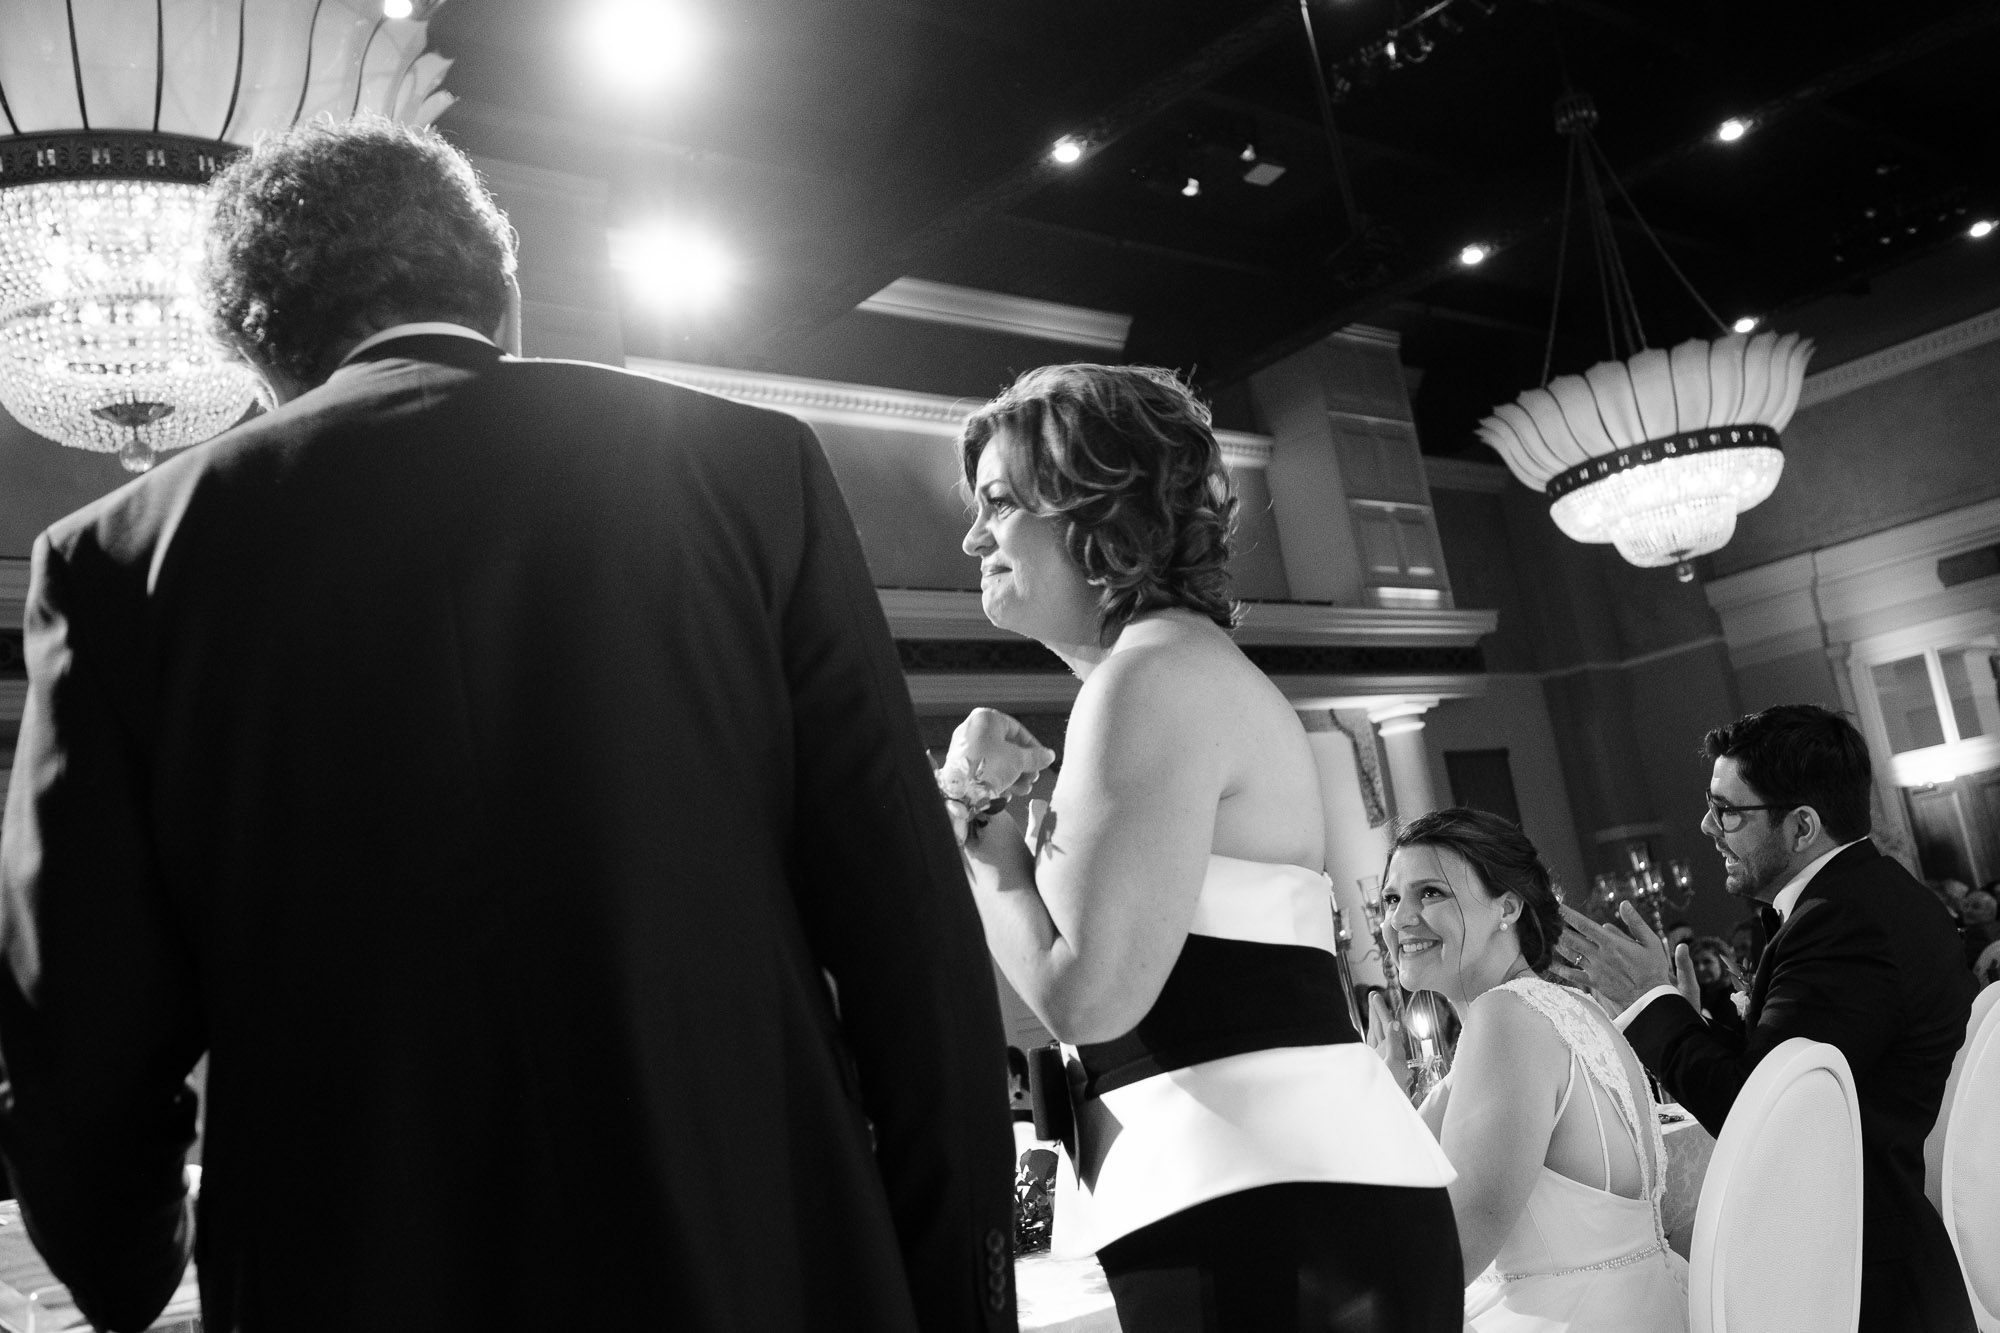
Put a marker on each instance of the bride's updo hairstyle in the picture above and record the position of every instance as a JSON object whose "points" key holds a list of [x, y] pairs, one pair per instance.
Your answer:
{"points": [[1126, 458], [1505, 861]]}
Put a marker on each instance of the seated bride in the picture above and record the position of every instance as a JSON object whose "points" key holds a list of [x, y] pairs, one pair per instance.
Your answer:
{"points": [[1546, 1114]]}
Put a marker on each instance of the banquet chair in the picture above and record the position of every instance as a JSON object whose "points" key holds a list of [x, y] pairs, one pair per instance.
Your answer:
{"points": [[1971, 1192], [1777, 1234], [1934, 1144]]}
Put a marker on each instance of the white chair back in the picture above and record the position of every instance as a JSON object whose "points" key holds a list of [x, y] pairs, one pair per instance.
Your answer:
{"points": [[1982, 1004], [1971, 1193], [1777, 1234]]}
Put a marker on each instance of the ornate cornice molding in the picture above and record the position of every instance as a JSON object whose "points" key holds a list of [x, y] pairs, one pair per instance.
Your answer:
{"points": [[996, 312], [935, 613], [1903, 357], [869, 405], [1464, 474], [1854, 589]]}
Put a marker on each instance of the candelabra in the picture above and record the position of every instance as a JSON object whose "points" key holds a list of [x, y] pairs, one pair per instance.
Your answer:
{"points": [[1418, 1029], [1650, 885]]}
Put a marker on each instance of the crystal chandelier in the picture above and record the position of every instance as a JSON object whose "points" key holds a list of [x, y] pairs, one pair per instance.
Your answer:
{"points": [[1658, 452], [115, 128]]}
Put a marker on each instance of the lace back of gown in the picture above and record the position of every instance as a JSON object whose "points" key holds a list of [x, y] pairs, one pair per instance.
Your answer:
{"points": [[1581, 1259]]}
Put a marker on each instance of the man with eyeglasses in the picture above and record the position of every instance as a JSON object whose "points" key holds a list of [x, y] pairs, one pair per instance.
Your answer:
{"points": [[1861, 956]]}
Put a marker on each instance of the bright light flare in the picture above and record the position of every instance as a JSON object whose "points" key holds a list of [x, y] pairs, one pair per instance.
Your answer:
{"points": [[1473, 255], [1067, 151], [643, 44], [397, 9], [1729, 131], [1981, 229], [674, 268], [1746, 324]]}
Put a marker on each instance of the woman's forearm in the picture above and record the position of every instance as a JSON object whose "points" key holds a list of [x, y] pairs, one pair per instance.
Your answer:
{"points": [[1024, 939]]}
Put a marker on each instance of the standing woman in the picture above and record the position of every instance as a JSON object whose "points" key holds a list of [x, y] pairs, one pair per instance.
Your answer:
{"points": [[1246, 1161]]}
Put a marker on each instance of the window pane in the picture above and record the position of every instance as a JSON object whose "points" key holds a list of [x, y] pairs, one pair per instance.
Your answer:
{"points": [[1969, 677], [1908, 707]]}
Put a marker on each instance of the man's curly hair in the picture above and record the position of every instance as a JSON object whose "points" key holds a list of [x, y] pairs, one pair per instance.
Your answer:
{"points": [[1125, 456], [324, 229]]}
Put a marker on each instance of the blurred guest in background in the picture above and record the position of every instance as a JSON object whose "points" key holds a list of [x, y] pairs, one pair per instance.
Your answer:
{"points": [[1679, 933], [1978, 911], [1723, 996]]}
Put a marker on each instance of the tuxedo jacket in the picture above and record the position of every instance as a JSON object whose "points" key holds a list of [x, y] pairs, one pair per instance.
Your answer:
{"points": [[503, 769], [1868, 963]]}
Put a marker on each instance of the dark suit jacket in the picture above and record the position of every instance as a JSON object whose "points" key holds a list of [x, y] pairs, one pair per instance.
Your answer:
{"points": [[1868, 963], [490, 762]]}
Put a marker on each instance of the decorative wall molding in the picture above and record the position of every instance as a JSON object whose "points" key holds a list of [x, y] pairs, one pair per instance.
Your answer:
{"points": [[970, 307], [1021, 691], [926, 613], [1463, 474], [1369, 334], [13, 589], [1903, 357], [1627, 663], [1855, 590], [868, 405]]}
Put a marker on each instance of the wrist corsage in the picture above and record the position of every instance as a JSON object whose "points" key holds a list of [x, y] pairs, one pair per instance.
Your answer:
{"points": [[970, 801]]}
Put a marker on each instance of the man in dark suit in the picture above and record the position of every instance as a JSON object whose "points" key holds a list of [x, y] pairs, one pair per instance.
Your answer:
{"points": [[503, 769], [1862, 957]]}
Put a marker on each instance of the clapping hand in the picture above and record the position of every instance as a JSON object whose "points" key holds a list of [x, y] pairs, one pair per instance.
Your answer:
{"points": [[1620, 966], [1385, 1038], [998, 752]]}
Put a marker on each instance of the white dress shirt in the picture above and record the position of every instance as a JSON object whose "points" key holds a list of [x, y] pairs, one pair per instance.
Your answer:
{"points": [[407, 330], [1787, 899]]}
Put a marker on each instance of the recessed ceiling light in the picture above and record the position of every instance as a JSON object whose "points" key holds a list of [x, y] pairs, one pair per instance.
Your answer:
{"points": [[1473, 254], [1746, 324], [1980, 229], [1729, 131], [673, 267], [644, 44], [1191, 189], [1067, 152], [397, 9]]}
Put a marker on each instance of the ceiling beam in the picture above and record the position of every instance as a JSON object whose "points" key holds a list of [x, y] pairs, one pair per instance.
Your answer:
{"points": [[1414, 278], [1402, 157], [1127, 245], [946, 225]]}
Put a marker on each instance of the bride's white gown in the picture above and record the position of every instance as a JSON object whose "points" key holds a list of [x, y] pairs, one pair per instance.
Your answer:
{"points": [[1583, 1259]]}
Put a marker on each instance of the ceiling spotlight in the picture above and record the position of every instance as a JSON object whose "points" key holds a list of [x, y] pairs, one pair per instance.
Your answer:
{"points": [[1729, 131], [1747, 324], [1980, 229], [641, 44], [673, 267], [397, 9], [1473, 254], [1191, 189], [1067, 152], [1249, 153]]}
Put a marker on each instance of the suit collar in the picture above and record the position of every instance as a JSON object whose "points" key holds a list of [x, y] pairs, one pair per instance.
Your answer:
{"points": [[449, 349], [1788, 897]]}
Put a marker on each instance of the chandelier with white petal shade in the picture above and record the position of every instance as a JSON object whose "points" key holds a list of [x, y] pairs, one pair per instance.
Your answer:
{"points": [[1658, 452], [118, 114]]}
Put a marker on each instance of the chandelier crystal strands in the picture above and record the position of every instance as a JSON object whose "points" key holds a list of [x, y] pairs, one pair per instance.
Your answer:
{"points": [[115, 128], [1657, 452]]}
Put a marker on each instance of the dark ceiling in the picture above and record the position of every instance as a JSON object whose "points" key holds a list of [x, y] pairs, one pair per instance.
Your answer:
{"points": [[846, 143]]}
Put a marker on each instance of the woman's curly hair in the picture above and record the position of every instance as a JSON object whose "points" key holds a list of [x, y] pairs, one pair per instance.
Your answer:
{"points": [[323, 228], [1125, 456], [1505, 860]]}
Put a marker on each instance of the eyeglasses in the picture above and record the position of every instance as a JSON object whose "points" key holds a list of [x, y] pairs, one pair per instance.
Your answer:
{"points": [[1729, 818]]}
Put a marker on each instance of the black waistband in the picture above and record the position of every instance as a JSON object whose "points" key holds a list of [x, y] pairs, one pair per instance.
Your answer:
{"points": [[1226, 997]]}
